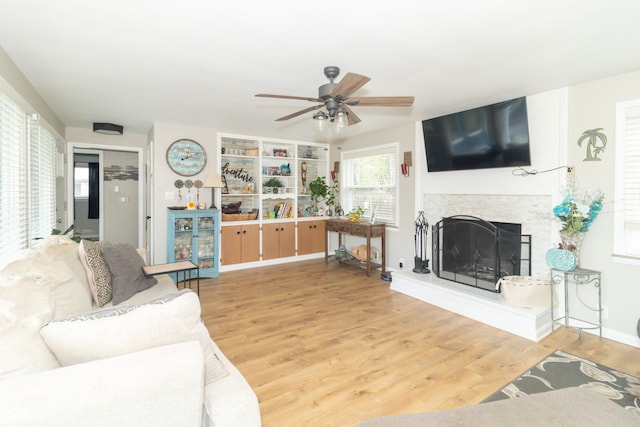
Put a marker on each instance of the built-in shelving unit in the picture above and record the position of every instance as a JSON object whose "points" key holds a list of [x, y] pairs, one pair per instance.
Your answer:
{"points": [[248, 167]]}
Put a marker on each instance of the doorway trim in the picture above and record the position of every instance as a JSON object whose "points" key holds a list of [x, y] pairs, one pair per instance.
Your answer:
{"points": [[71, 148], [100, 154]]}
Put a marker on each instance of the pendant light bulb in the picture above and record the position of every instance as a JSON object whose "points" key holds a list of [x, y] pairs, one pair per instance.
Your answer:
{"points": [[320, 121]]}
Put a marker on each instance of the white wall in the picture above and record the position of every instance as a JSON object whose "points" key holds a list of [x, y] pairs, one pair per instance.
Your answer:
{"points": [[121, 218], [16, 86], [592, 105], [164, 178], [547, 152], [400, 239]]}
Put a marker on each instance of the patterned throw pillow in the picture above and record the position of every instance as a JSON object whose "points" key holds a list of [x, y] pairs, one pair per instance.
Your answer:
{"points": [[97, 271]]}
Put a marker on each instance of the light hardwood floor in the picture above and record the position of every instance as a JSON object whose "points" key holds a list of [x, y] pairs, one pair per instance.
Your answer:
{"points": [[323, 345]]}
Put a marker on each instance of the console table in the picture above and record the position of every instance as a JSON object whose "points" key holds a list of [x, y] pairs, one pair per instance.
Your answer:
{"points": [[362, 229], [579, 281]]}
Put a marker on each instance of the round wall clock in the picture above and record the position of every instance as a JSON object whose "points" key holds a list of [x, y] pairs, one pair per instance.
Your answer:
{"points": [[186, 157]]}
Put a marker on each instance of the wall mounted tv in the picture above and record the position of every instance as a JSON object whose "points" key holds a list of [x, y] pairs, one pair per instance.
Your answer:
{"points": [[492, 136]]}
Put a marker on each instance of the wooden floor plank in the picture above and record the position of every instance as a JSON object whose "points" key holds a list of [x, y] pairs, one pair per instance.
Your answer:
{"points": [[323, 345]]}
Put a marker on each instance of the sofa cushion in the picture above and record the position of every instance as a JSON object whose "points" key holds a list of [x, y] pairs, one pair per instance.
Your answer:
{"points": [[70, 296], [119, 330], [24, 308], [127, 277], [61, 249], [98, 274]]}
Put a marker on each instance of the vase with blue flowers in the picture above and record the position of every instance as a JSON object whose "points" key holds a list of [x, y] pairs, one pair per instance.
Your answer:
{"points": [[576, 213]]}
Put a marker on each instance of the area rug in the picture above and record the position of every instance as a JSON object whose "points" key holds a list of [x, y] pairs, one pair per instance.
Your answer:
{"points": [[563, 370]]}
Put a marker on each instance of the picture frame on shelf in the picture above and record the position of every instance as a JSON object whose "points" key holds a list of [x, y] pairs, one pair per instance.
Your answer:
{"points": [[289, 190], [280, 152], [273, 171]]}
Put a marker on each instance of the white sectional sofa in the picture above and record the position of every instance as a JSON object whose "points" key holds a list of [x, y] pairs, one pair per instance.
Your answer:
{"points": [[69, 357]]}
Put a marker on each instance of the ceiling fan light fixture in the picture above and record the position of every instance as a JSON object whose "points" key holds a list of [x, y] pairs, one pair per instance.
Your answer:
{"points": [[341, 119], [335, 98], [320, 120]]}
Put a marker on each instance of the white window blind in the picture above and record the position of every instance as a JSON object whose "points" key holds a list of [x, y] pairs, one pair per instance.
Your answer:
{"points": [[369, 180], [13, 178], [42, 182], [627, 212]]}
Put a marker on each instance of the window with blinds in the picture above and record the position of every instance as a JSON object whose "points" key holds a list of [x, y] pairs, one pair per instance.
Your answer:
{"points": [[369, 180], [14, 233], [42, 182], [627, 212], [27, 180]]}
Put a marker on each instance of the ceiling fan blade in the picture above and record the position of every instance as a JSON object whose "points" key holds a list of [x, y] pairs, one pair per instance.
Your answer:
{"points": [[351, 116], [297, 113], [350, 83], [382, 101], [303, 98]]}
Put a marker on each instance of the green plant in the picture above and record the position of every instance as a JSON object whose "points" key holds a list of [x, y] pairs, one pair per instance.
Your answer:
{"points": [[318, 190], [273, 182], [355, 214], [56, 232], [333, 194]]}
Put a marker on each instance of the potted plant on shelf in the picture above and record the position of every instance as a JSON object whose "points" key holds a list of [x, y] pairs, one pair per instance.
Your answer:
{"points": [[318, 190], [272, 184], [356, 214]]}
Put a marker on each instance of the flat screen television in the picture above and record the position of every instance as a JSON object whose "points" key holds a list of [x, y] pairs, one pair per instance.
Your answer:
{"points": [[492, 136]]}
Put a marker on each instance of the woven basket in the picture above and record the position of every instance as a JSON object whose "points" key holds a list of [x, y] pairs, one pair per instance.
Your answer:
{"points": [[240, 217]]}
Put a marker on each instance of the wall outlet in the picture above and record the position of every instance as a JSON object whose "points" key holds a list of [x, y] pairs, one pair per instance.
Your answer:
{"points": [[401, 262], [605, 311], [571, 172]]}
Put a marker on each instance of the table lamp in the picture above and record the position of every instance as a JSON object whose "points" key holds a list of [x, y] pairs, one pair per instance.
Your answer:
{"points": [[213, 181]]}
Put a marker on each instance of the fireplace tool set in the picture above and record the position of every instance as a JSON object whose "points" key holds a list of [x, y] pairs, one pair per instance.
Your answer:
{"points": [[421, 263]]}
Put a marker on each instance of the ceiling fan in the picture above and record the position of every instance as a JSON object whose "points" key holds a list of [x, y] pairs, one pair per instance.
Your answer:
{"points": [[336, 98]]}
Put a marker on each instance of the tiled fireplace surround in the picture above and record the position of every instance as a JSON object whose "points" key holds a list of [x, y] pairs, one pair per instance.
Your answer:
{"points": [[529, 210]]}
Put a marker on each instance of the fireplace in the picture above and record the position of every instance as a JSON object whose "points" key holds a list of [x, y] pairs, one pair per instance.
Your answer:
{"points": [[475, 252]]}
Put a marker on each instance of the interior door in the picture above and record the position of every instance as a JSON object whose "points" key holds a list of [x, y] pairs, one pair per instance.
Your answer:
{"points": [[87, 219], [122, 213]]}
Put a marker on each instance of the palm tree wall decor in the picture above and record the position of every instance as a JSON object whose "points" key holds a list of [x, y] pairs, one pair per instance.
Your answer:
{"points": [[593, 148]]}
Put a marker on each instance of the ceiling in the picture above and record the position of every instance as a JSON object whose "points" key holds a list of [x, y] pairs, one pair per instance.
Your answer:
{"points": [[200, 62]]}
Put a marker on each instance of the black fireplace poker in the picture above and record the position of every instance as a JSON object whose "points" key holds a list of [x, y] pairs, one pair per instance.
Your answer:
{"points": [[421, 263]]}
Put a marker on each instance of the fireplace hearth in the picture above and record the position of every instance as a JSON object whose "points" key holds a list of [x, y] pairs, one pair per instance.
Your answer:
{"points": [[475, 252]]}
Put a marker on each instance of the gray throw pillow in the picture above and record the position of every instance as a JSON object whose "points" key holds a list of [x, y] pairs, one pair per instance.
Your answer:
{"points": [[127, 277]]}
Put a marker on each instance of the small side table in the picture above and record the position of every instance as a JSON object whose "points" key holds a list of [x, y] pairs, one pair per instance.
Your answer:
{"points": [[186, 267], [577, 280]]}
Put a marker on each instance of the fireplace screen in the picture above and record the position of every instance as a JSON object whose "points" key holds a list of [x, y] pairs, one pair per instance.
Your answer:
{"points": [[478, 253]]}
